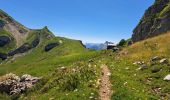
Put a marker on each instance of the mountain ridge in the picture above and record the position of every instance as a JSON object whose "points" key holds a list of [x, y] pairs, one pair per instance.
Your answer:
{"points": [[15, 38]]}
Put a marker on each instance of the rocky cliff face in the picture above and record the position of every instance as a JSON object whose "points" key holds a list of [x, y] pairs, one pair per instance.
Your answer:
{"points": [[18, 31], [155, 21], [15, 38]]}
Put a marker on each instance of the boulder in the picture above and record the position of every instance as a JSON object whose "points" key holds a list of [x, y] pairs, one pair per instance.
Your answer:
{"points": [[156, 68], [115, 49], [50, 46], [138, 63], [167, 78], [8, 82], [91, 60], [163, 61], [13, 84], [4, 40], [144, 66], [155, 58]]}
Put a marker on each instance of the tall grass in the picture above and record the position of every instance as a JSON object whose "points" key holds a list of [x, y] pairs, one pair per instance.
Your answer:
{"points": [[157, 46]]}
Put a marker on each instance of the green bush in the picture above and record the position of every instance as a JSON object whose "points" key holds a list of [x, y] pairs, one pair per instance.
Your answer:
{"points": [[122, 42]]}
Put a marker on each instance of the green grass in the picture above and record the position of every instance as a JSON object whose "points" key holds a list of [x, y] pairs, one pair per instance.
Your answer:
{"points": [[128, 83], [70, 54], [62, 84], [56, 84], [165, 11], [79, 78]]}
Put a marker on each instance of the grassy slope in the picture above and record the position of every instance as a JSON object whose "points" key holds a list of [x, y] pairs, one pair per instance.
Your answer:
{"points": [[127, 82], [132, 84], [37, 62], [38, 57]]}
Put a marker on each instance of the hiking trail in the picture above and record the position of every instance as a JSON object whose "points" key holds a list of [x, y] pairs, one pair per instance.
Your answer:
{"points": [[105, 91]]}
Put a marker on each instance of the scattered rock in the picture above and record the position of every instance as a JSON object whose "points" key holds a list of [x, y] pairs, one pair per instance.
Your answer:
{"points": [[164, 61], [63, 68], [125, 83], [50, 46], [4, 40], [75, 90], [156, 69], [149, 79], [156, 58], [91, 97], [167, 78], [13, 84], [91, 60], [115, 49], [134, 74], [157, 90], [142, 67], [138, 63], [108, 74], [91, 93]]}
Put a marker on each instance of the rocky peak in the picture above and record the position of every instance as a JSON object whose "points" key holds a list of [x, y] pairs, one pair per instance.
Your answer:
{"points": [[4, 16], [155, 21], [17, 30]]}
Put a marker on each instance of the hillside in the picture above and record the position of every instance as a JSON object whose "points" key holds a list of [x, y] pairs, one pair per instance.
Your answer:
{"points": [[138, 72], [15, 29], [61, 63], [154, 22], [37, 65], [17, 39]]}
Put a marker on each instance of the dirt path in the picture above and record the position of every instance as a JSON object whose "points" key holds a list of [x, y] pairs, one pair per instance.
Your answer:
{"points": [[105, 86]]}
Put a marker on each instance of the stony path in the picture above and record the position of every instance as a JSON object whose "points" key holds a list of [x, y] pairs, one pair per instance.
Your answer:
{"points": [[105, 86]]}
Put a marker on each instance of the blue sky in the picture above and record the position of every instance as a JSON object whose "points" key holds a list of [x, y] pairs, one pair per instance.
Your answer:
{"points": [[93, 21]]}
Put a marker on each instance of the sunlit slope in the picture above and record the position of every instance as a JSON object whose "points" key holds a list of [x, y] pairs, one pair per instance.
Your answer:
{"points": [[38, 57], [135, 75], [157, 46]]}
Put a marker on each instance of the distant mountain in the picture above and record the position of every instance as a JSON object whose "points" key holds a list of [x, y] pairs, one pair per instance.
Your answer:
{"points": [[155, 21], [96, 46]]}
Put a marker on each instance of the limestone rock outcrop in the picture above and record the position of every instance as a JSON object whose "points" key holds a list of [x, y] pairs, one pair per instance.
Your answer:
{"points": [[155, 21]]}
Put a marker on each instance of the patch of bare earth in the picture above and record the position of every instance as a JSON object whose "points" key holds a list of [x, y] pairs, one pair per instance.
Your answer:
{"points": [[105, 91]]}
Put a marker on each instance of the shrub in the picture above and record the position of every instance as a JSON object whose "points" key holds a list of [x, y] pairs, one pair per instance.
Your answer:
{"points": [[122, 42]]}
